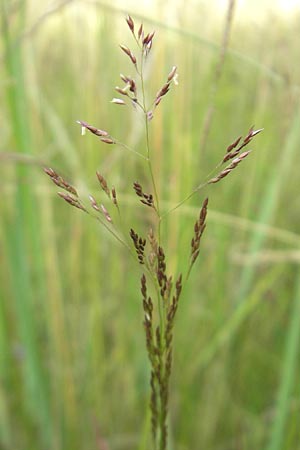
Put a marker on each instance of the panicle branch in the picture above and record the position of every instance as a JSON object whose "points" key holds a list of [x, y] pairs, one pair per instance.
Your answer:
{"points": [[199, 228], [60, 181], [146, 199], [234, 149], [233, 153], [139, 245], [72, 201]]}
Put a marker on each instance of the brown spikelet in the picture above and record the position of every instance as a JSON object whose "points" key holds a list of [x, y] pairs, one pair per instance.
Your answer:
{"points": [[147, 39], [172, 73], [233, 145], [92, 129], [107, 140], [166, 87], [130, 23], [138, 189], [140, 31], [132, 87], [103, 183], [114, 196], [163, 91]]}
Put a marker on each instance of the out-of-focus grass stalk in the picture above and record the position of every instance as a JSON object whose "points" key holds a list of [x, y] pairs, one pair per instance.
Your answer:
{"points": [[233, 324], [207, 122], [22, 231], [4, 364], [291, 359]]}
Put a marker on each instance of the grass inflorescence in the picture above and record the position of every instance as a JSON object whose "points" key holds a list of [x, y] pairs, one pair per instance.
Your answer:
{"points": [[160, 290]]}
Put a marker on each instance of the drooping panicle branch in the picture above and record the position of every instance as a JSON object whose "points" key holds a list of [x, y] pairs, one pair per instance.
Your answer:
{"points": [[72, 201], [60, 181], [146, 199], [199, 228]]}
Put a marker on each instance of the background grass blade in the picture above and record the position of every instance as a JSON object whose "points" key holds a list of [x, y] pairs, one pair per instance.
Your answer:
{"points": [[288, 376], [73, 373]]}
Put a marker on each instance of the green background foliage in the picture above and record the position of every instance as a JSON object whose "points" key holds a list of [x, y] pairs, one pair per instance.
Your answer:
{"points": [[73, 367]]}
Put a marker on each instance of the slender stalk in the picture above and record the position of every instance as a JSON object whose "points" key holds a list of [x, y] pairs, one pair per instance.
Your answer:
{"points": [[141, 74], [288, 375], [190, 195], [131, 150]]}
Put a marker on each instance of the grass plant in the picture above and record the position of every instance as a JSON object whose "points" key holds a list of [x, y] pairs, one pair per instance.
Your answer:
{"points": [[74, 373], [160, 300]]}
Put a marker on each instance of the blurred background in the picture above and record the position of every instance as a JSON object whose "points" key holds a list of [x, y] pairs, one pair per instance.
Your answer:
{"points": [[73, 367]]}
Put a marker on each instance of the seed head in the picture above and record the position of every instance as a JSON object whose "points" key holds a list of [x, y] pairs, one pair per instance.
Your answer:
{"points": [[92, 129], [130, 23]]}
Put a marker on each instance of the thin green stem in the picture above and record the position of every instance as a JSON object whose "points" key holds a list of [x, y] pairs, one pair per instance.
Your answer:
{"points": [[188, 272], [131, 150], [194, 191], [157, 207], [113, 233], [141, 74]]}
